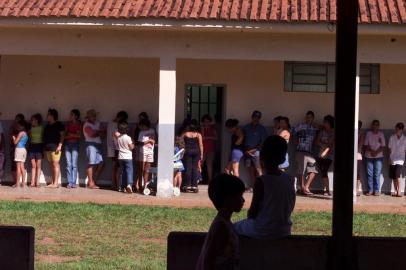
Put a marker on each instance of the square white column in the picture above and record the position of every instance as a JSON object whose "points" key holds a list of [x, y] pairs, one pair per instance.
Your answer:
{"points": [[356, 131], [166, 126]]}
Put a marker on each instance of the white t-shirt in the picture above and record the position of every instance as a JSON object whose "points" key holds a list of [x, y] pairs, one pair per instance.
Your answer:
{"points": [[144, 136], [398, 148], [124, 151], [94, 126], [111, 139]]}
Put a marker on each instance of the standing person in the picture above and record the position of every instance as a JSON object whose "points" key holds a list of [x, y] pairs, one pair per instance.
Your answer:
{"points": [[325, 141], [137, 130], [125, 147], [13, 132], [284, 132], [193, 155], [146, 143], [112, 151], [93, 132], [374, 145], [72, 139], [220, 248], [20, 155], [274, 196], [2, 156], [237, 147], [306, 134], [254, 135], [209, 134], [54, 134], [397, 148], [36, 148], [361, 138], [178, 165]]}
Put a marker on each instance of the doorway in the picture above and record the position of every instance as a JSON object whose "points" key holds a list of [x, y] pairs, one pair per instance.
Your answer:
{"points": [[202, 99]]}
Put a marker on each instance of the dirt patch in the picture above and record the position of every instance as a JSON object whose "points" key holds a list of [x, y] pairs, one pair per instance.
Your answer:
{"points": [[46, 241], [56, 258]]}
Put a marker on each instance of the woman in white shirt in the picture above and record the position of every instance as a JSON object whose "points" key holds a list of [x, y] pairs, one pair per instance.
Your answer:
{"points": [[397, 148]]}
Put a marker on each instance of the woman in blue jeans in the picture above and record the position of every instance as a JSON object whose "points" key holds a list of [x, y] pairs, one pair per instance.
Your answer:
{"points": [[374, 145], [72, 139]]}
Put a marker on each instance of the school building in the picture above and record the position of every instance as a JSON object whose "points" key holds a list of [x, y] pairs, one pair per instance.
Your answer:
{"points": [[174, 58]]}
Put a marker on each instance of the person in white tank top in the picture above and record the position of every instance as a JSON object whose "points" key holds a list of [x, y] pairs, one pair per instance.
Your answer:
{"points": [[274, 197]]}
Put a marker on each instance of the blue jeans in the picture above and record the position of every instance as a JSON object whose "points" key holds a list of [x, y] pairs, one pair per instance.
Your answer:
{"points": [[374, 170], [126, 167], [72, 154]]}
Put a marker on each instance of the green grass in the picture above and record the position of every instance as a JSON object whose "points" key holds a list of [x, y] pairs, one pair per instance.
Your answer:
{"points": [[90, 236]]}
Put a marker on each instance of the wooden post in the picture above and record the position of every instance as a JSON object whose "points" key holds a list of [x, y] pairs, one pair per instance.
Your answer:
{"points": [[345, 103]]}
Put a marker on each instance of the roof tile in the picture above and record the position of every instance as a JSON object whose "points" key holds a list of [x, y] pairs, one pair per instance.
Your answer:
{"points": [[371, 11]]}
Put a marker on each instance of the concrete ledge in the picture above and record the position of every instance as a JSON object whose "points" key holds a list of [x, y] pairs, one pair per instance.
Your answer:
{"points": [[294, 252], [17, 248]]}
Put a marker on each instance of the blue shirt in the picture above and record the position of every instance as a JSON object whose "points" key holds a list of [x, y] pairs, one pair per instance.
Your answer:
{"points": [[254, 136], [23, 141]]}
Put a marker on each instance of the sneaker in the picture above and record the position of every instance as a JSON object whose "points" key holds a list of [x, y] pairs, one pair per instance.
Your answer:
{"points": [[176, 191], [128, 189], [69, 186]]}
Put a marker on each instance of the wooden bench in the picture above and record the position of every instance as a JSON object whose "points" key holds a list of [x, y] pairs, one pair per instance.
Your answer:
{"points": [[294, 252], [17, 248]]}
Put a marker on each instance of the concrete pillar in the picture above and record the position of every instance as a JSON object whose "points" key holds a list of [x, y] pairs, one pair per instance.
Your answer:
{"points": [[356, 131], [166, 126]]}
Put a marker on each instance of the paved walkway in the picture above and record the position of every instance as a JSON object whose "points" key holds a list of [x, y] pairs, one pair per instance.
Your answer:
{"points": [[382, 204]]}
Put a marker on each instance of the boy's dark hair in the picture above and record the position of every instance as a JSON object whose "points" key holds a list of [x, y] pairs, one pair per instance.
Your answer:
{"points": [[375, 122], [286, 119], [20, 116], [224, 186], [330, 120], [400, 126], [122, 116], [37, 117], [145, 123], [143, 115], [273, 152], [21, 125], [207, 117], [193, 126], [230, 123], [76, 113], [278, 118], [53, 113], [310, 113], [122, 127]]}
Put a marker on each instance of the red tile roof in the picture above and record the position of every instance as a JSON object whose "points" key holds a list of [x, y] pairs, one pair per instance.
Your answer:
{"points": [[371, 11]]}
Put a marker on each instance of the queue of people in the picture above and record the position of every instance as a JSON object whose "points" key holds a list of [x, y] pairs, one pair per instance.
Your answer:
{"points": [[197, 142]]}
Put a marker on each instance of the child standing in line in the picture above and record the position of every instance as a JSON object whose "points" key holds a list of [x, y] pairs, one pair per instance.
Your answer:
{"points": [[72, 138], [220, 249], [146, 142], [178, 166], [20, 154], [125, 147], [397, 148], [274, 196], [36, 148]]}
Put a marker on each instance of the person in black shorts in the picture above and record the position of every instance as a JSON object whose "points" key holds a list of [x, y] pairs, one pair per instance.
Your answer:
{"points": [[397, 148]]}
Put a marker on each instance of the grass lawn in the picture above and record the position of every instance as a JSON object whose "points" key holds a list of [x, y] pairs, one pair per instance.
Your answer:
{"points": [[90, 236]]}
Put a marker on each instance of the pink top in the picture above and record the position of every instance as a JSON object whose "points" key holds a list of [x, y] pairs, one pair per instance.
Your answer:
{"points": [[209, 144], [375, 141]]}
